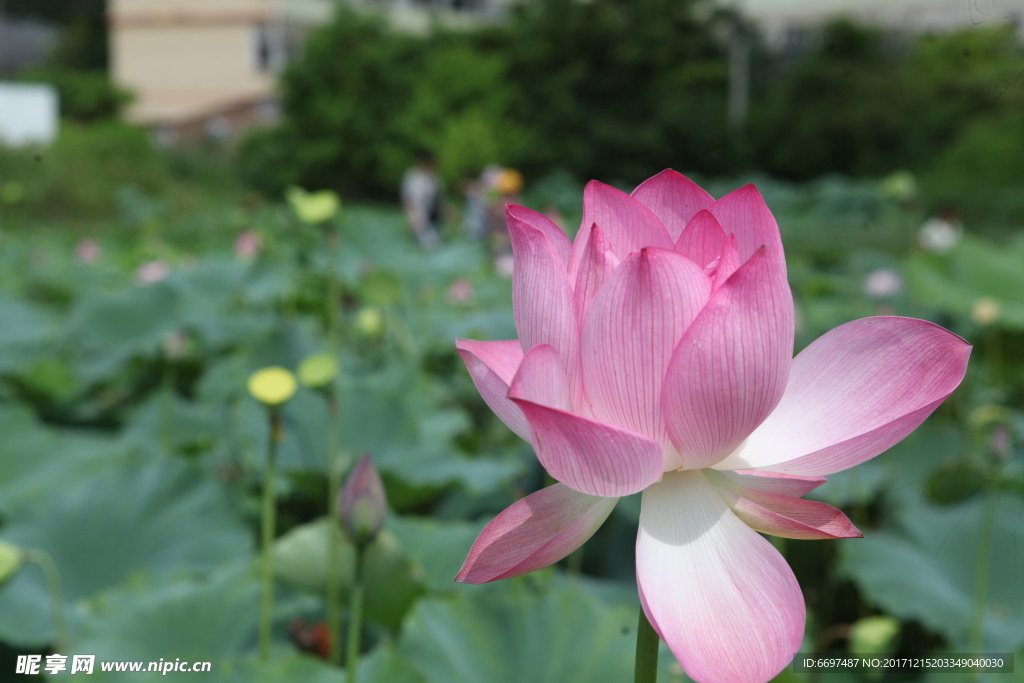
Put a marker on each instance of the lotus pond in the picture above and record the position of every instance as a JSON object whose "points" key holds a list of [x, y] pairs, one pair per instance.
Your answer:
{"points": [[132, 456]]}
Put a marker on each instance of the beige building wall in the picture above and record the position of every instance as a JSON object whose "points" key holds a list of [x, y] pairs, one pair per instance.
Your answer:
{"points": [[186, 59]]}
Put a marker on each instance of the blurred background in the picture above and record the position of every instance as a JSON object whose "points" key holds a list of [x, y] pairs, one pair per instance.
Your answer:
{"points": [[191, 190]]}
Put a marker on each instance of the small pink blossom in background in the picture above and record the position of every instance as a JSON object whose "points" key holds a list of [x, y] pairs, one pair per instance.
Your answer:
{"points": [[460, 291], [655, 355], [882, 283], [1001, 441], [247, 245], [88, 250], [503, 265], [176, 345], [151, 272]]}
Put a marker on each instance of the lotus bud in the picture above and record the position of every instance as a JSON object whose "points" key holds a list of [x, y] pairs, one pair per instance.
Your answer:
{"points": [[11, 559], [362, 504], [272, 386]]}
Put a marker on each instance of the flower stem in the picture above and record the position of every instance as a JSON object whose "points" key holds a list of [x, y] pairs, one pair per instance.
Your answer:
{"points": [[355, 618], [52, 577], [269, 513], [333, 541], [647, 642], [982, 568]]}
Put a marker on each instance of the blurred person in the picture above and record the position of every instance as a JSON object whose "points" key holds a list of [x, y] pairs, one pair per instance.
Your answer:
{"points": [[479, 197], [421, 200], [941, 232]]}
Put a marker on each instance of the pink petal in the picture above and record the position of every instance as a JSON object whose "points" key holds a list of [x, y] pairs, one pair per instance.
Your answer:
{"points": [[702, 240], [629, 225], [744, 214], [542, 298], [729, 371], [855, 392], [541, 379], [773, 482], [558, 240], [590, 456], [534, 532], [728, 263], [673, 198], [630, 331], [595, 268], [779, 515], [723, 599], [492, 365]]}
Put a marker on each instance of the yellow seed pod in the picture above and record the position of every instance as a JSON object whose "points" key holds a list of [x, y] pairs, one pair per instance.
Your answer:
{"points": [[318, 370], [313, 207], [272, 386]]}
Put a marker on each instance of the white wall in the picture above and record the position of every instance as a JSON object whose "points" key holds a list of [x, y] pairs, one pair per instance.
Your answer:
{"points": [[28, 114]]}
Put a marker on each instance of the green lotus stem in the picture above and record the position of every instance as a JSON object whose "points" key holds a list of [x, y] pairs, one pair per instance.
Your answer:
{"points": [[647, 642], [269, 522], [355, 619], [333, 540], [333, 292], [51, 576], [982, 567]]}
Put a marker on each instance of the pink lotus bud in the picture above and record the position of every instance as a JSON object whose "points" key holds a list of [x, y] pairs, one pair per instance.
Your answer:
{"points": [[362, 504]]}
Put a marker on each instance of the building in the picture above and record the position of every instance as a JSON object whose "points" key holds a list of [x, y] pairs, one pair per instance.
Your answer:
{"points": [[785, 23], [207, 68]]}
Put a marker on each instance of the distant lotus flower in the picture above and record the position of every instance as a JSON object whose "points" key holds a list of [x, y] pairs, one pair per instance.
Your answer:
{"points": [[152, 271], [460, 291], [87, 250], [247, 245], [882, 283], [655, 355], [362, 504]]}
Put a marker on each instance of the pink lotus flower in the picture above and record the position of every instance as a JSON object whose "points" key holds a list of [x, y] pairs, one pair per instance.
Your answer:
{"points": [[655, 355]]}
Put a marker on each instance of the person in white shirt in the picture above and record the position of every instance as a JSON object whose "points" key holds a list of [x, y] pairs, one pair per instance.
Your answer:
{"points": [[421, 200]]}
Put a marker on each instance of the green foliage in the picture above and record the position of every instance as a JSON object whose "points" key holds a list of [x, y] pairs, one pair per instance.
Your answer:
{"points": [[831, 112], [84, 96], [613, 89], [355, 124], [989, 193], [61, 181], [512, 96]]}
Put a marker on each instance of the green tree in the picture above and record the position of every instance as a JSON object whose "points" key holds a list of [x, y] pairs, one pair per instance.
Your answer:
{"points": [[849, 106], [354, 123], [616, 88]]}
